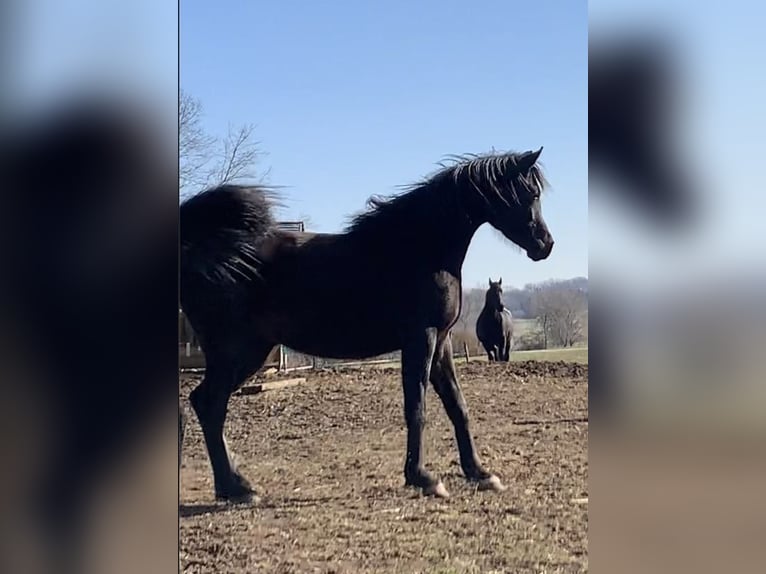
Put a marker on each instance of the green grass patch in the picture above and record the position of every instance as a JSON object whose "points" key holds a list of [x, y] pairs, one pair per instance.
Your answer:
{"points": [[523, 326], [572, 355]]}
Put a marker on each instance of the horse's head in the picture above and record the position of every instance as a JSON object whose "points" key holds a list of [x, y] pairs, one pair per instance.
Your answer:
{"points": [[494, 296], [508, 187], [516, 211]]}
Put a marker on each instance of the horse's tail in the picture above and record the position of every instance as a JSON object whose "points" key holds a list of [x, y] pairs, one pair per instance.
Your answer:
{"points": [[221, 229]]}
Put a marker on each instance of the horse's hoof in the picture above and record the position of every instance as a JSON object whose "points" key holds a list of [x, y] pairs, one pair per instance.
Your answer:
{"points": [[239, 492], [492, 483], [237, 498], [438, 490]]}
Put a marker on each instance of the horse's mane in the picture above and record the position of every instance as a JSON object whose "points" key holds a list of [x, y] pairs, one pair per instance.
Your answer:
{"points": [[494, 173]]}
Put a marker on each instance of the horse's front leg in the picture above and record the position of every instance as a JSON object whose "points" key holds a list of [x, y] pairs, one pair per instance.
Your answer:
{"points": [[417, 355], [444, 380]]}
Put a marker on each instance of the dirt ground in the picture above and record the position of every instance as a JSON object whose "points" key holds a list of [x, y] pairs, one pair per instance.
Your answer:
{"points": [[326, 459]]}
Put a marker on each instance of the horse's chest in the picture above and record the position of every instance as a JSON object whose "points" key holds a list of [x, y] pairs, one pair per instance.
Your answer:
{"points": [[492, 323]]}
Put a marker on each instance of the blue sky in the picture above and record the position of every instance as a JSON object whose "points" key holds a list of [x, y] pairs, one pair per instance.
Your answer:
{"points": [[352, 99], [718, 112], [66, 47]]}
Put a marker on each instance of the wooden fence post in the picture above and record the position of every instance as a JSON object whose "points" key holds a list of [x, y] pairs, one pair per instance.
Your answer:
{"points": [[465, 348], [282, 359]]}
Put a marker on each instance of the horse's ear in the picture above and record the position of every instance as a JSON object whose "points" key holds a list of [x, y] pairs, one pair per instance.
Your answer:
{"points": [[500, 282], [490, 281], [528, 159]]}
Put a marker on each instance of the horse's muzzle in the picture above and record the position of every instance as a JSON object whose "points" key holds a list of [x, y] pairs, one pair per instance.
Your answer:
{"points": [[542, 252]]}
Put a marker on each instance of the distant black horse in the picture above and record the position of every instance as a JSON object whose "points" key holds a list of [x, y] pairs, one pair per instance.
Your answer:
{"points": [[494, 327], [391, 280]]}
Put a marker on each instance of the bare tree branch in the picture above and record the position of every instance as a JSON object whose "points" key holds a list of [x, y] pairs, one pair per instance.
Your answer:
{"points": [[560, 314], [238, 157], [193, 143], [204, 160], [466, 312]]}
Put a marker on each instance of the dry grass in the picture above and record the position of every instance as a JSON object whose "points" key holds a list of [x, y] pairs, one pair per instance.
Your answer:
{"points": [[327, 459]]}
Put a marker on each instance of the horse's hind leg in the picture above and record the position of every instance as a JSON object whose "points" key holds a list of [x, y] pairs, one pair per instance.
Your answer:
{"points": [[444, 381], [210, 401]]}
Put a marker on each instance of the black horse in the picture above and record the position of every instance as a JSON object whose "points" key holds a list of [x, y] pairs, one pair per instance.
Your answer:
{"points": [[494, 327], [391, 281]]}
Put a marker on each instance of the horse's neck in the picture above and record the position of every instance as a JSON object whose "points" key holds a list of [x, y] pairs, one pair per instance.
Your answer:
{"points": [[434, 234], [446, 235]]}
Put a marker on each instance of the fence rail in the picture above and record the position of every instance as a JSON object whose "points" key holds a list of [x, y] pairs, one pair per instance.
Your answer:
{"points": [[286, 360]]}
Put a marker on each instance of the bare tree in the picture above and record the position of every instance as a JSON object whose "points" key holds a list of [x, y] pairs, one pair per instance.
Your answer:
{"points": [[560, 313], [205, 160], [466, 312], [473, 301], [194, 144], [543, 314]]}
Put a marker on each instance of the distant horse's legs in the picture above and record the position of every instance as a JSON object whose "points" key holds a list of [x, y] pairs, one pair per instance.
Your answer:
{"points": [[505, 352], [417, 356], [490, 350], [444, 380], [210, 401]]}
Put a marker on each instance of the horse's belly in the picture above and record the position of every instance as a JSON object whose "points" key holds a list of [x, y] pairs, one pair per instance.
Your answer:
{"points": [[341, 337], [332, 347], [343, 351]]}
